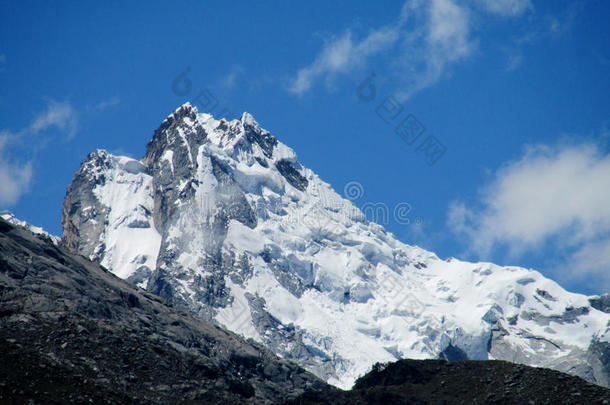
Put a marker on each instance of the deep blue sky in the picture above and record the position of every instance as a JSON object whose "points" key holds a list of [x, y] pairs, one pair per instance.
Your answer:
{"points": [[529, 74]]}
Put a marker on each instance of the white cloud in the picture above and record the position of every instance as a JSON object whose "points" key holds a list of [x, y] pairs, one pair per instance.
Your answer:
{"points": [[416, 50], [443, 37], [591, 264], [552, 195], [506, 8], [543, 27], [16, 171], [342, 55], [564, 20], [229, 81], [14, 179], [105, 104], [449, 30], [515, 59], [57, 114], [426, 38]]}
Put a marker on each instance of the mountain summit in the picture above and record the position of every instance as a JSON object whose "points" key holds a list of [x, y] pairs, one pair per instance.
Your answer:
{"points": [[221, 219]]}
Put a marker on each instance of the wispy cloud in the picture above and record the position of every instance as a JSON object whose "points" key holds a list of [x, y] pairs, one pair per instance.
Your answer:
{"points": [[2, 61], [57, 114], [16, 173], [506, 8], [417, 49], [442, 37], [14, 178], [14, 181], [426, 39], [563, 22], [343, 54], [551, 196], [514, 59], [541, 28], [590, 262], [229, 81], [105, 104]]}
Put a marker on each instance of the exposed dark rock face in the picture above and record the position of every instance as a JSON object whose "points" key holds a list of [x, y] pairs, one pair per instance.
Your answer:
{"points": [[599, 357], [278, 338], [296, 179], [601, 303], [467, 382], [570, 315], [452, 353], [93, 229], [174, 161], [83, 217], [262, 138], [182, 140], [71, 332]]}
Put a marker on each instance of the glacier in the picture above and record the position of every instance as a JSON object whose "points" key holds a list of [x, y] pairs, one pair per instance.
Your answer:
{"points": [[220, 218]]}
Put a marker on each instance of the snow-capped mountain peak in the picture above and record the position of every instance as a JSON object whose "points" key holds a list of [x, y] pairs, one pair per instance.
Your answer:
{"points": [[232, 227], [248, 119]]}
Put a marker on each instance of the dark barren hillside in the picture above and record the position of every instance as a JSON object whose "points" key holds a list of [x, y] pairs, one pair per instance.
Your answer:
{"points": [[72, 332], [465, 382]]}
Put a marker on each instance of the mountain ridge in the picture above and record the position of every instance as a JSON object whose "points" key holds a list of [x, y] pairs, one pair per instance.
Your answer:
{"points": [[220, 218]]}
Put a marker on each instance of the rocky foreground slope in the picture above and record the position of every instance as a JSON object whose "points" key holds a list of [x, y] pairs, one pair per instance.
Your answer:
{"points": [[221, 219], [467, 382], [71, 332]]}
